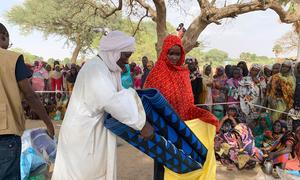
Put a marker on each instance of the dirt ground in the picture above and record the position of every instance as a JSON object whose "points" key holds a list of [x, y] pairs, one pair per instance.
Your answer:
{"points": [[134, 165]]}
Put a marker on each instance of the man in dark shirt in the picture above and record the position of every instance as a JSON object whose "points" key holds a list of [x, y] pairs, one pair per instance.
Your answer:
{"points": [[10, 144]]}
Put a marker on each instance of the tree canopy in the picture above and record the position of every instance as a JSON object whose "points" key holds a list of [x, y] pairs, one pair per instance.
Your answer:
{"points": [[72, 20]]}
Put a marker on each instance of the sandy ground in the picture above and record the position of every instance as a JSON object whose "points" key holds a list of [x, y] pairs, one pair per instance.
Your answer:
{"points": [[134, 165]]}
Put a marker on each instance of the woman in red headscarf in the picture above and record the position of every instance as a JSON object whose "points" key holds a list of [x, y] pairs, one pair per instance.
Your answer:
{"points": [[171, 78]]}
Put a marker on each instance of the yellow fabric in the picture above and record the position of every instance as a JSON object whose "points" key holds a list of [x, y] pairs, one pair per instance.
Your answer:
{"points": [[206, 133]]}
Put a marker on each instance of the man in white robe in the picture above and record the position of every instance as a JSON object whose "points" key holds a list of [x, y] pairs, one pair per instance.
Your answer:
{"points": [[86, 149]]}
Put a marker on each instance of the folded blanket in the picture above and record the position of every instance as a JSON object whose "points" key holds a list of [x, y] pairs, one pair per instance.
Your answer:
{"points": [[173, 143]]}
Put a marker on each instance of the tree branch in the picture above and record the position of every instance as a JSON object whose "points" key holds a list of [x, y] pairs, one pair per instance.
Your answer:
{"points": [[139, 23], [284, 16], [105, 15], [233, 10], [151, 11], [203, 4]]}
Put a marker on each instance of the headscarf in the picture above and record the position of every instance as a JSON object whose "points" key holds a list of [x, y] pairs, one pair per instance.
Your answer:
{"points": [[257, 67], [126, 77], [195, 74], [244, 68], [269, 67], [297, 147], [206, 78], [174, 83], [220, 68], [38, 67], [228, 71], [283, 125], [138, 70], [110, 49], [296, 72], [288, 63], [236, 68], [204, 69]]}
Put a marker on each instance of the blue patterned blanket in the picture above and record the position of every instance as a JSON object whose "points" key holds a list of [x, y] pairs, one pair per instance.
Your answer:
{"points": [[173, 143]]}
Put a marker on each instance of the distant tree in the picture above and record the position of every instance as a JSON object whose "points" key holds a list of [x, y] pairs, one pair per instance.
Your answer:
{"points": [[66, 60], [71, 19], [28, 57], [215, 56], [278, 49]]}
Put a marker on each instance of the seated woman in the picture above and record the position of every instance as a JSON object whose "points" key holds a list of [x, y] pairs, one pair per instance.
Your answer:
{"points": [[278, 146], [293, 165], [172, 79], [234, 145], [262, 127]]}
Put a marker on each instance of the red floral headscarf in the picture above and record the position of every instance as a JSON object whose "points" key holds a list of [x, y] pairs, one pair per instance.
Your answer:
{"points": [[174, 83]]}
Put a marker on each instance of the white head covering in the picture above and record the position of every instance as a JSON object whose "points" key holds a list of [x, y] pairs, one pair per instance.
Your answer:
{"points": [[110, 49], [289, 63], [112, 45]]}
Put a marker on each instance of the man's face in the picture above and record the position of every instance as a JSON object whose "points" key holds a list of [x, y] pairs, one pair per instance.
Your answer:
{"points": [[144, 61], [4, 40], [124, 59]]}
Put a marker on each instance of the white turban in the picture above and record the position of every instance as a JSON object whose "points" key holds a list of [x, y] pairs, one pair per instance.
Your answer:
{"points": [[112, 45], [110, 49]]}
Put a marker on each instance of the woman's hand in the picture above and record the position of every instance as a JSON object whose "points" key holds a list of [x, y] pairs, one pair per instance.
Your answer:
{"points": [[147, 132]]}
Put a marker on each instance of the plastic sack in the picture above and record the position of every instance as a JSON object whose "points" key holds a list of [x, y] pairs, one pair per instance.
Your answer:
{"points": [[30, 161], [293, 172], [44, 144]]}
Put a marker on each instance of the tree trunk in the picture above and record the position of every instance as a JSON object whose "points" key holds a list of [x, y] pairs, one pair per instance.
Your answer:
{"points": [[298, 51], [75, 53], [161, 24], [193, 32]]}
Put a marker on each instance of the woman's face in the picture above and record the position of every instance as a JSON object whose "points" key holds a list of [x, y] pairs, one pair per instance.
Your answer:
{"points": [[150, 65], [220, 72], [277, 127], [298, 136], [174, 54], [208, 70], [285, 69], [298, 68], [236, 73], [275, 69], [268, 72], [48, 68], [232, 113], [73, 70], [254, 72], [57, 68]]}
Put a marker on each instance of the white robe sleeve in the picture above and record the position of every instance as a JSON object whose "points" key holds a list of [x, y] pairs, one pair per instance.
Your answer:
{"points": [[125, 106]]}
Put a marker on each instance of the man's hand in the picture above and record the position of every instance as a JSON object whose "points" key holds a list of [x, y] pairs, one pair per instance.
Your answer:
{"points": [[147, 131], [36, 105], [50, 130]]}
